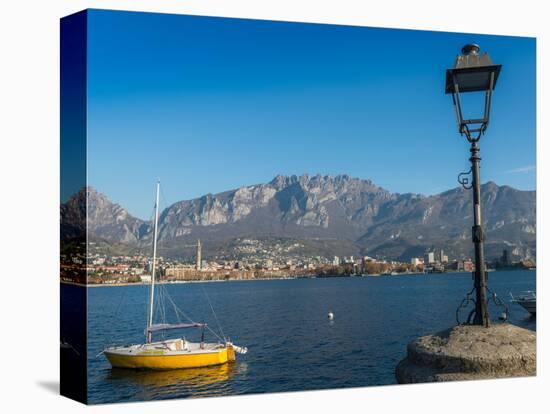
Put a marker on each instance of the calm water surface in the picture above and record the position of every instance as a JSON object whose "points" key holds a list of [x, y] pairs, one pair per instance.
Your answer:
{"points": [[292, 345]]}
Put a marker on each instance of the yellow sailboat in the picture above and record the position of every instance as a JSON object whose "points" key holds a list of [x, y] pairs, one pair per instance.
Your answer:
{"points": [[172, 353]]}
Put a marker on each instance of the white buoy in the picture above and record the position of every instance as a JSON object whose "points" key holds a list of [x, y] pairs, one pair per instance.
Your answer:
{"points": [[330, 315]]}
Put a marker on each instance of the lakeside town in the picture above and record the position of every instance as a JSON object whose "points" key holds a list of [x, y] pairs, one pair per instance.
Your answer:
{"points": [[104, 269]]}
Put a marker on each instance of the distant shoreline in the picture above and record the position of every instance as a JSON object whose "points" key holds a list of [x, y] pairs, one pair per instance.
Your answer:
{"points": [[95, 285], [179, 282]]}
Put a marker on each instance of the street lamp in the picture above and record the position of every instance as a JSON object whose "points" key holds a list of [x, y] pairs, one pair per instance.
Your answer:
{"points": [[474, 72]]}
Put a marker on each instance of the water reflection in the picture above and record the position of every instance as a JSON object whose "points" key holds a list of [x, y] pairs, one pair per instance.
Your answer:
{"points": [[195, 382]]}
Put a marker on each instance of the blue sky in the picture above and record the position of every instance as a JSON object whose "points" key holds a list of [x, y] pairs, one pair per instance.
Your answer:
{"points": [[210, 104]]}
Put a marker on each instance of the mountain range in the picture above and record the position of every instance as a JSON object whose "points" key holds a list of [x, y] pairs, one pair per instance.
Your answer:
{"points": [[338, 215]]}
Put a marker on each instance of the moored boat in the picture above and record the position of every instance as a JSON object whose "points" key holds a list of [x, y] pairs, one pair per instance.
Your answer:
{"points": [[171, 353], [528, 300]]}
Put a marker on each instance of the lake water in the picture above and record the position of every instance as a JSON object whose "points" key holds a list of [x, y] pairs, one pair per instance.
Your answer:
{"points": [[292, 344]]}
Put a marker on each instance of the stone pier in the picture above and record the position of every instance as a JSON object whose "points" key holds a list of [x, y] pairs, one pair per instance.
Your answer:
{"points": [[468, 352]]}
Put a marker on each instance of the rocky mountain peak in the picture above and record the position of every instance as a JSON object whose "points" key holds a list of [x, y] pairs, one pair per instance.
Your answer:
{"points": [[322, 207], [88, 208]]}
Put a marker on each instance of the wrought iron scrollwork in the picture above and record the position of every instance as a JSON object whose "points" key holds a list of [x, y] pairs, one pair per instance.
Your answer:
{"points": [[470, 300], [464, 179], [463, 305], [499, 303]]}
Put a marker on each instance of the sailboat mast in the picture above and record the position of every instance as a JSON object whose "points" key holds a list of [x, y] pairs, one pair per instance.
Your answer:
{"points": [[152, 297]]}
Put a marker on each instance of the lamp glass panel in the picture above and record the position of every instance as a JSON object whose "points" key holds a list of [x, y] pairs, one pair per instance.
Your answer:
{"points": [[473, 105]]}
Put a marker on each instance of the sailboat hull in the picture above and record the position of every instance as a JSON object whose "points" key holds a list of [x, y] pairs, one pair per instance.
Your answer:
{"points": [[167, 359]]}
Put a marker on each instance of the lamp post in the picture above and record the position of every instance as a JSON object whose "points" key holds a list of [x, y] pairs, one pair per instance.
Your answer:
{"points": [[474, 72], [462, 353]]}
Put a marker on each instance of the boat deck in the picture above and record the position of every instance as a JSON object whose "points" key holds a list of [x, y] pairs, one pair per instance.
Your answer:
{"points": [[169, 347]]}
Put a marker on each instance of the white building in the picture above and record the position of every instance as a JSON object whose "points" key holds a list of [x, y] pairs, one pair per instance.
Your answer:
{"points": [[431, 257]]}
